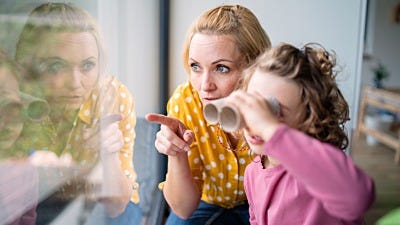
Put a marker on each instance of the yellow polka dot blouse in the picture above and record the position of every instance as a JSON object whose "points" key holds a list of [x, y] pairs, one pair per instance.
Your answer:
{"points": [[218, 172], [110, 97]]}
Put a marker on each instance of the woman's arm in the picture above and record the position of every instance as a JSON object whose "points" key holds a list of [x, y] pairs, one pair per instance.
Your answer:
{"points": [[179, 189], [117, 188], [113, 136], [108, 139]]}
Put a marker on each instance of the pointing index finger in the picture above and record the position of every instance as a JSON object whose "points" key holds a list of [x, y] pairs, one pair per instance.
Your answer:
{"points": [[185, 136], [162, 119], [174, 124]]}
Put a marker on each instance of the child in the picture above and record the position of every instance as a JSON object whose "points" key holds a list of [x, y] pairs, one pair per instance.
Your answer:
{"points": [[11, 123], [18, 179], [16, 107], [301, 175]]}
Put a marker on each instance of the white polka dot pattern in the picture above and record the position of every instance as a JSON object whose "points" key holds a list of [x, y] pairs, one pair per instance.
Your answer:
{"points": [[220, 170], [117, 99]]}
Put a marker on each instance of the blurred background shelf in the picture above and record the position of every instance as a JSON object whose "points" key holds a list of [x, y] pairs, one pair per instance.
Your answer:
{"points": [[384, 99]]}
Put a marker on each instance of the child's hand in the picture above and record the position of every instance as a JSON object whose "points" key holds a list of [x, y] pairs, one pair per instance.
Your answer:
{"points": [[260, 117]]}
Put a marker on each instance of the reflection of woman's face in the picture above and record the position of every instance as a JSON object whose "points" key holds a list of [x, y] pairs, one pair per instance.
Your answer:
{"points": [[215, 63], [68, 67], [11, 122]]}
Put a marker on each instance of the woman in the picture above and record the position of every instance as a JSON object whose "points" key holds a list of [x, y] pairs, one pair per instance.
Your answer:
{"points": [[204, 184], [92, 115]]}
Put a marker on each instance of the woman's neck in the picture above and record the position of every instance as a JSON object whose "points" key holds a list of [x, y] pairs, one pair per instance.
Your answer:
{"points": [[232, 140], [64, 115]]}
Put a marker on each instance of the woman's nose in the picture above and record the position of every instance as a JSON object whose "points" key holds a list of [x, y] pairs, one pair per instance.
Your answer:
{"points": [[74, 80], [207, 83]]}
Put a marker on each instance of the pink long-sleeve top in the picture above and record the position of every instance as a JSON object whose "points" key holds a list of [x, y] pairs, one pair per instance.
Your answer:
{"points": [[315, 184]]}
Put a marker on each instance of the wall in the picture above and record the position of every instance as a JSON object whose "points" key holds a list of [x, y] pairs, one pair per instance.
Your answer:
{"points": [[338, 25], [14, 14], [384, 37], [131, 32]]}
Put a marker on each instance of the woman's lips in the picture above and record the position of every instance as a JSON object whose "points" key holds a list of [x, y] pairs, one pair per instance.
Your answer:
{"points": [[72, 98], [206, 100]]}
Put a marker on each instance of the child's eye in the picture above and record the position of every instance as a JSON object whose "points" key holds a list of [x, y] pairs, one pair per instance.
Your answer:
{"points": [[195, 67], [222, 69]]}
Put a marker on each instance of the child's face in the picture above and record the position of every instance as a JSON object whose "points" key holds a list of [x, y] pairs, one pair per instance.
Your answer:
{"points": [[286, 91], [68, 68], [11, 122]]}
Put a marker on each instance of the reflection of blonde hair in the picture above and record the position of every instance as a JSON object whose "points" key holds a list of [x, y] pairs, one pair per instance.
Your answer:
{"points": [[324, 109], [50, 18], [237, 22]]}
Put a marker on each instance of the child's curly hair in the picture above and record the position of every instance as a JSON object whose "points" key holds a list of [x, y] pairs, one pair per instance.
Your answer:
{"points": [[311, 67]]}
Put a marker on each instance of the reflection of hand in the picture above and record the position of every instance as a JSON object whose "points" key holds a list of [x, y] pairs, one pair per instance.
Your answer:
{"points": [[106, 138], [105, 135], [173, 138], [49, 158]]}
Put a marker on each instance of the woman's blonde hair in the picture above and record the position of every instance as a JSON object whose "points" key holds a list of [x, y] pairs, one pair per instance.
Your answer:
{"points": [[50, 18], [325, 111], [235, 21]]}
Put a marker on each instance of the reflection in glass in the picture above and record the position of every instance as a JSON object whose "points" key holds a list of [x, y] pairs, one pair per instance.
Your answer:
{"points": [[70, 124]]}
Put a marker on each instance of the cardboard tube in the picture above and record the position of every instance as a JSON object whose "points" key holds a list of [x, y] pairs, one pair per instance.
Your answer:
{"points": [[231, 119], [212, 109], [34, 108]]}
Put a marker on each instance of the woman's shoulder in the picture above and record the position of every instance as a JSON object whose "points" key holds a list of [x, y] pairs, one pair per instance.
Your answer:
{"points": [[111, 86], [184, 94], [183, 89], [185, 103], [111, 81]]}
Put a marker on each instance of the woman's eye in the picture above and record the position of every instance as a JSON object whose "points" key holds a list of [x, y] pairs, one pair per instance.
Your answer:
{"points": [[222, 68], [87, 66], [195, 67], [55, 67], [52, 67]]}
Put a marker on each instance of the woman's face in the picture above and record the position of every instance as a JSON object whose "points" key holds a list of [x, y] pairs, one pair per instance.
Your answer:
{"points": [[216, 65], [286, 92], [11, 121], [68, 67]]}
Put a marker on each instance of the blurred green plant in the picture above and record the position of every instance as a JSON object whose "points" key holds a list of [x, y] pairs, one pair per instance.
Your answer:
{"points": [[380, 73]]}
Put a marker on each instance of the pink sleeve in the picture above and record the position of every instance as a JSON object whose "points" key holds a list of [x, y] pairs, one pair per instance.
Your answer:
{"points": [[327, 173]]}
